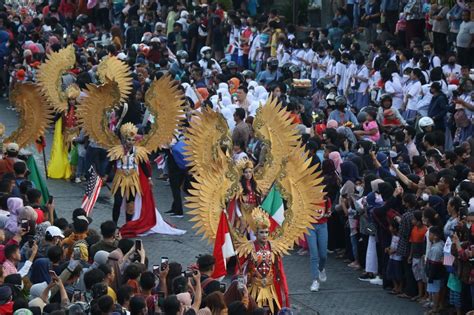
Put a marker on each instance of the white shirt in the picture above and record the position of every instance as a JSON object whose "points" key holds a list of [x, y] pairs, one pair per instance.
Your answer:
{"points": [[454, 71], [363, 72], [414, 91], [394, 88]]}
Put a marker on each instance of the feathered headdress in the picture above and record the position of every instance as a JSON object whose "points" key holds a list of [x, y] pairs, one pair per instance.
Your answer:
{"points": [[260, 219], [128, 130]]}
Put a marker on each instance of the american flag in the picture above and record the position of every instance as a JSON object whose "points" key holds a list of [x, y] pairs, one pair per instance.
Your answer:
{"points": [[93, 186]]}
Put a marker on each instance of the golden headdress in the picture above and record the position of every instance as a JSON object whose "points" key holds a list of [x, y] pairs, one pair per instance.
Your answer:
{"points": [[260, 219], [128, 130], [112, 68], [243, 164], [73, 91]]}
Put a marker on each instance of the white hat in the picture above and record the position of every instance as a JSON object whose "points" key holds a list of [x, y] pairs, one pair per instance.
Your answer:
{"points": [[101, 257], [155, 40], [13, 147], [122, 56], [184, 14], [55, 231]]}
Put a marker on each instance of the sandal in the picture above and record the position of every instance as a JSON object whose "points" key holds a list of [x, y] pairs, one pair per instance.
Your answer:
{"points": [[415, 298], [403, 296]]}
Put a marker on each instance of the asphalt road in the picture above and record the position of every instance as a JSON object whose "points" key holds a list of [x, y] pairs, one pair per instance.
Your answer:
{"points": [[342, 294]]}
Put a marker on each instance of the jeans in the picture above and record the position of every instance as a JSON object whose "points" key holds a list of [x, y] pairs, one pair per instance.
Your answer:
{"points": [[318, 248], [354, 243]]}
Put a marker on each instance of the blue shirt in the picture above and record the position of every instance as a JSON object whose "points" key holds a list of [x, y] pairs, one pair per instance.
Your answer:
{"points": [[178, 151]]}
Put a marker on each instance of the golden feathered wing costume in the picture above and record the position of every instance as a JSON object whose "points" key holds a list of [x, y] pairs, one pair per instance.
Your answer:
{"points": [[112, 68], [217, 181], [34, 114], [50, 73]]}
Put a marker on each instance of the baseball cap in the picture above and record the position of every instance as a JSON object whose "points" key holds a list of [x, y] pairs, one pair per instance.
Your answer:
{"points": [[55, 231], [13, 147]]}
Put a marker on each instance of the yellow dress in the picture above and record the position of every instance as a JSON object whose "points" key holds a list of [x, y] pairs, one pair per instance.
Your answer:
{"points": [[58, 166]]}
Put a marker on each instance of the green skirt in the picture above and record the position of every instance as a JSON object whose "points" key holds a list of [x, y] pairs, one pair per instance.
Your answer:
{"points": [[73, 156]]}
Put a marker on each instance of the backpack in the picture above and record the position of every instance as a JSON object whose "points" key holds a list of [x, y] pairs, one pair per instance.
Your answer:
{"points": [[460, 119]]}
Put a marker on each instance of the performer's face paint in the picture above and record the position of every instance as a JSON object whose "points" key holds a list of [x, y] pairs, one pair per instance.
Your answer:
{"points": [[262, 235], [248, 173], [130, 141]]}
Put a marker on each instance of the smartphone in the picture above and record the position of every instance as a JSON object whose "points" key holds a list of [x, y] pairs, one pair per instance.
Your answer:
{"points": [[240, 282], [24, 225], [156, 269], [52, 273], [164, 262], [76, 253], [138, 245], [77, 296], [187, 274], [222, 287], [50, 200]]}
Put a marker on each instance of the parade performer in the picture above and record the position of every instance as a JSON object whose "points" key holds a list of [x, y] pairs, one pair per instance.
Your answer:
{"points": [[218, 183], [63, 101], [132, 183]]}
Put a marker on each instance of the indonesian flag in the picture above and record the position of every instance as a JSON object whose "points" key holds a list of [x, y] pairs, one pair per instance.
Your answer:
{"points": [[223, 247], [273, 205]]}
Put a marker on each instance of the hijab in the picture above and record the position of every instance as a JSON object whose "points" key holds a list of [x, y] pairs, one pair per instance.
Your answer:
{"points": [[349, 172], [14, 204], [336, 158]]}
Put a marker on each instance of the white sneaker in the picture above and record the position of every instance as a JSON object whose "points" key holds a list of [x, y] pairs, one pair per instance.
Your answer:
{"points": [[322, 276], [377, 281], [315, 286], [77, 180]]}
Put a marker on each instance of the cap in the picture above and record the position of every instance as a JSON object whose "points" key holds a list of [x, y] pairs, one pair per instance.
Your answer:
{"points": [[101, 257], [54, 231], [13, 147], [155, 40]]}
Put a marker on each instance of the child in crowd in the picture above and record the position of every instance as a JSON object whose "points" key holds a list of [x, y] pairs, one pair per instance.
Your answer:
{"points": [[434, 265], [371, 128], [417, 243], [394, 267]]}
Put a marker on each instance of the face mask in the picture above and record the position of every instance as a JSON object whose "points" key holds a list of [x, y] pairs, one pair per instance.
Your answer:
{"points": [[183, 61], [16, 23], [207, 56], [360, 151], [125, 25], [359, 189], [379, 31], [425, 197], [468, 225], [427, 52], [305, 45]]}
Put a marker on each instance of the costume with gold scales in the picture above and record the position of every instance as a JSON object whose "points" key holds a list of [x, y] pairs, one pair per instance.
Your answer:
{"points": [[217, 183]]}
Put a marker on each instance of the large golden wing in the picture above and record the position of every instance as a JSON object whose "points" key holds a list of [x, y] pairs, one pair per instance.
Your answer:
{"points": [[208, 133], [50, 73], [34, 114], [273, 126], [93, 109], [112, 68], [165, 102], [209, 194], [301, 188]]}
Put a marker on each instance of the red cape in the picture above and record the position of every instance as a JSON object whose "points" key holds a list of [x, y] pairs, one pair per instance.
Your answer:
{"points": [[147, 219]]}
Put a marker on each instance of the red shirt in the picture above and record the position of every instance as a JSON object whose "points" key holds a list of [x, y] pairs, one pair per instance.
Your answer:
{"points": [[6, 309], [40, 214]]}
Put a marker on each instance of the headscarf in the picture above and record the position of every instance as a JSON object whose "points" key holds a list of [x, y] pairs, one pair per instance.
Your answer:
{"points": [[37, 289], [336, 158], [223, 90], [375, 184], [349, 172], [372, 201], [14, 204], [101, 257], [261, 94], [330, 178], [347, 132], [235, 83], [383, 160], [40, 271], [27, 213], [115, 261]]}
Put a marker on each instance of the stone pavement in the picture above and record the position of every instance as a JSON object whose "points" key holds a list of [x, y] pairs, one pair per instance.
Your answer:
{"points": [[342, 294]]}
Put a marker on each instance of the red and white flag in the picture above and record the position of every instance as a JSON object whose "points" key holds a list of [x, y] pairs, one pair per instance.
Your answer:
{"points": [[93, 186], [160, 162], [223, 247]]}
